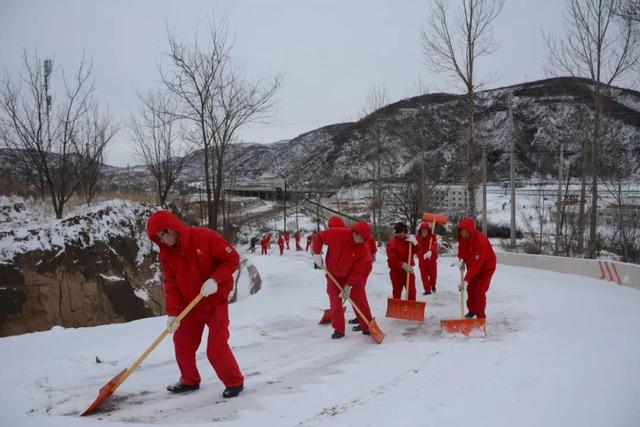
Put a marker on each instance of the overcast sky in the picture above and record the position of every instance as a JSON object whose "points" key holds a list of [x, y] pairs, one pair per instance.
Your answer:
{"points": [[330, 52]]}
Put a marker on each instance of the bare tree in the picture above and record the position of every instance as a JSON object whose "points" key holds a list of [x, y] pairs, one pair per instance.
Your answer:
{"points": [[406, 203], [42, 139], [602, 46], [373, 141], [95, 134], [454, 45], [155, 135], [217, 98]]}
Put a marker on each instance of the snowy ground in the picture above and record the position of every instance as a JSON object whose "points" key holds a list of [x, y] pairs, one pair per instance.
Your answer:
{"points": [[562, 351]]}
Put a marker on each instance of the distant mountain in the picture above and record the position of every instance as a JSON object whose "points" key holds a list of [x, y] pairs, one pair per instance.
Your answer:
{"points": [[546, 113]]}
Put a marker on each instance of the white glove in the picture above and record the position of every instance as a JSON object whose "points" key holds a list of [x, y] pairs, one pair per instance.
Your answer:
{"points": [[171, 325], [427, 255], [317, 259], [460, 263], [406, 267], [463, 286], [346, 290], [209, 287], [412, 238]]}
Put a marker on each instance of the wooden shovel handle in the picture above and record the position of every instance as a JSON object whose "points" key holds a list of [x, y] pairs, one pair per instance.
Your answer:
{"points": [[406, 285], [462, 293], [355, 307], [157, 341]]}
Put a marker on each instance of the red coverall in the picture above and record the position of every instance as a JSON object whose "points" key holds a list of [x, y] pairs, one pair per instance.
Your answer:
{"points": [[428, 267], [200, 254], [281, 244], [348, 262], [309, 239], [298, 245], [397, 254], [480, 260], [287, 237], [264, 244]]}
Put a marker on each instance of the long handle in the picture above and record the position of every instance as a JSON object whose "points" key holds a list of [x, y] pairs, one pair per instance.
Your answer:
{"points": [[433, 233], [153, 345], [461, 293], [335, 282], [408, 274]]}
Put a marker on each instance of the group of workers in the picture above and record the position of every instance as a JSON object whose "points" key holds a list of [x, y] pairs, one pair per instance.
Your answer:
{"points": [[198, 260]]}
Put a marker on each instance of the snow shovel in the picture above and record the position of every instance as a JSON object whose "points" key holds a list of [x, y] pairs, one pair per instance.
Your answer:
{"points": [[405, 309], [463, 325], [108, 389], [326, 316], [374, 329]]}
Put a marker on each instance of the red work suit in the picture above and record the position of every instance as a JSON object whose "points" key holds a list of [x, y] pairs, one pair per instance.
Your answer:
{"points": [[397, 254], [199, 254], [298, 245], [309, 239], [480, 260], [428, 267], [264, 245], [348, 262], [287, 237], [281, 244]]}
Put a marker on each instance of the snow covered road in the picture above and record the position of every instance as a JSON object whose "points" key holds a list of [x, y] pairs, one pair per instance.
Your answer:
{"points": [[561, 350]]}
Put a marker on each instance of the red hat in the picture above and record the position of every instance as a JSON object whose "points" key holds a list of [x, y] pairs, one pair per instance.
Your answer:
{"points": [[362, 228]]}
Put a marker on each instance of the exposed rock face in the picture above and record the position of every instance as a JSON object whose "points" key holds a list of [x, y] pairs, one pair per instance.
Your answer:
{"points": [[94, 268]]}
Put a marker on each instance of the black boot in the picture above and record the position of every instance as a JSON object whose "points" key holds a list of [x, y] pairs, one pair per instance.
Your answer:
{"points": [[356, 328], [366, 333], [354, 321], [182, 388], [337, 335], [426, 293], [469, 315], [433, 289], [232, 391]]}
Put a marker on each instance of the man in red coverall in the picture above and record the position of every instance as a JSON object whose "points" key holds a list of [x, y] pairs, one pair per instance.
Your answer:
{"points": [[281, 244], [373, 248], [348, 259], [399, 263], [474, 250], [264, 244], [309, 240], [297, 237], [197, 260], [287, 238], [427, 252]]}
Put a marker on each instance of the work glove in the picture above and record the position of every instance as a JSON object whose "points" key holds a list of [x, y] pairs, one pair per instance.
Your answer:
{"points": [[317, 259], [406, 267], [427, 255], [460, 263], [209, 287], [346, 290], [373, 257], [463, 286], [171, 325], [412, 239]]}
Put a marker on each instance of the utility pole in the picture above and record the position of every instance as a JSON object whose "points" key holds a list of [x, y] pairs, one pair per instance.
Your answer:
{"points": [[559, 202], [284, 226], [484, 188], [512, 173]]}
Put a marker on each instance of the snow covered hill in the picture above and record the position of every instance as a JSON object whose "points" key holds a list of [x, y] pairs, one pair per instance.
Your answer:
{"points": [[562, 350]]}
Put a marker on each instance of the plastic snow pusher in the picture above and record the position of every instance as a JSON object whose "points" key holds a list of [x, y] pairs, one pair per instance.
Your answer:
{"points": [[413, 310], [463, 326], [115, 382], [374, 329]]}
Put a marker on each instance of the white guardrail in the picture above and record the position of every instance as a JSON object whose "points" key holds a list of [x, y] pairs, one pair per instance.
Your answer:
{"points": [[621, 273]]}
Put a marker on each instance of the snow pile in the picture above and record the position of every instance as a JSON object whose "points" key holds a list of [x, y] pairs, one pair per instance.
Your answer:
{"points": [[26, 226]]}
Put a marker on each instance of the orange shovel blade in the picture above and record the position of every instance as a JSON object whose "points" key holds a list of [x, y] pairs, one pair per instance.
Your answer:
{"points": [[437, 218], [375, 331], [405, 309], [464, 326], [106, 391], [326, 316]]}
